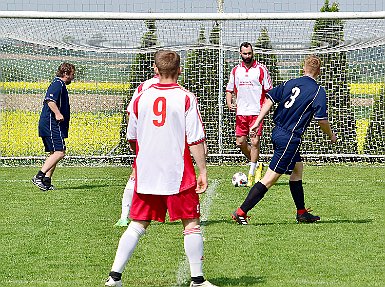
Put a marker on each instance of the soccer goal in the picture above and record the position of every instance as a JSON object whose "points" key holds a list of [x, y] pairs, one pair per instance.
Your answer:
{"points": [[113, 53]]}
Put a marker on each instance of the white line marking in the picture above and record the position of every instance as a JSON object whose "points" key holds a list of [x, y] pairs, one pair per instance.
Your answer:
{"points": [[182, 274]]}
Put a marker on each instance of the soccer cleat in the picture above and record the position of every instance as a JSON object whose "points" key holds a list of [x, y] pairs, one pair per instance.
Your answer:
{"points": [[204, 284], [39, 183], [112, 282], [249, 180], [258, 173], [307, 217], [51, 187], [240, 219], [122, 222]]}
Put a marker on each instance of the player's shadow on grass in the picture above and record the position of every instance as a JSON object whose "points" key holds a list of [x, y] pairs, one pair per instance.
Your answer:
{"points": [[357, 221], [240, 281]]}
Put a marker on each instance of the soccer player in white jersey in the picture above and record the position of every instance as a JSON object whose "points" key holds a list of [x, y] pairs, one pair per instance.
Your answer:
{"points": [[165, 126], [129, 188], [249, 81]]}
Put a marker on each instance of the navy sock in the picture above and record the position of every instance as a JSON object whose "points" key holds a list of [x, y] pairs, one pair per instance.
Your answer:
{"points": [[296, 189], [256, 193]]}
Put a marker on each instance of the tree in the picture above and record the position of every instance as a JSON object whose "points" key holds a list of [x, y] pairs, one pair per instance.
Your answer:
{"points": [[328, 33], [201, 76], [263, 54], [141, 69]]}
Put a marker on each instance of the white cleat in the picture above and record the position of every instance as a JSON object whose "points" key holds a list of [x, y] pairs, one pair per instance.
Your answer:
{"points": [[112, 282], [204, 284]]}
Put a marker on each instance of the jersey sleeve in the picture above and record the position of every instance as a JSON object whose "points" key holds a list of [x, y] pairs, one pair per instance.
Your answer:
{"points": [[267, 84], [194, 127], [230, 84], [131, 134], [53, 92], [320, 105], [276, 94]]}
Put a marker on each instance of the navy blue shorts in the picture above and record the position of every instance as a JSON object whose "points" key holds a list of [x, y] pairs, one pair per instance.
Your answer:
{"points": [[53, 143], [286, 151]]}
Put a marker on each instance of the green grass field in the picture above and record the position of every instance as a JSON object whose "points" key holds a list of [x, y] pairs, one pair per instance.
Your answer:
{"points": [[66, 237]]}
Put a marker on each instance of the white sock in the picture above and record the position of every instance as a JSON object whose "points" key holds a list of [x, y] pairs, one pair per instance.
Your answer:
{"points": [[193, 246], [127, 245], [253, 165], [127, 198]]}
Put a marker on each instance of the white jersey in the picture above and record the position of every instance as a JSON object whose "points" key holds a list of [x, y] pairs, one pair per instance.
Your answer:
{"points": [[249, 86], [164, 121], [143, 86]]}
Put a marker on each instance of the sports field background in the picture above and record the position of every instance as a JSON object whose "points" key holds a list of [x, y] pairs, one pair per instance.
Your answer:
{"points": [[66, 237]]}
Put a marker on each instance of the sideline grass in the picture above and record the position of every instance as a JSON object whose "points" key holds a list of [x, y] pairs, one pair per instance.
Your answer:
{"points": [[66, 237]]}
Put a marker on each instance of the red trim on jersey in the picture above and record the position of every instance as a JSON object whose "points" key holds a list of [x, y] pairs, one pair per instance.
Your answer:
{"points": [[135, 107], [187, 103], [189, 176], [197, 142]]}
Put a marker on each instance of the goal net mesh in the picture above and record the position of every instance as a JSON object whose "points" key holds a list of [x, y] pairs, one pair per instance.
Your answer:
{"points": [[112, 57]]}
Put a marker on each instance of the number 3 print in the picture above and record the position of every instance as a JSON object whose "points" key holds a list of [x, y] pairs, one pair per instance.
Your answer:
{"points": [[295, 93], [159, 109]]}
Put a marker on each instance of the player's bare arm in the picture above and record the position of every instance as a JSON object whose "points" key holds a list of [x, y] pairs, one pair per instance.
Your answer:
{"points": [[264, 110], [229, 101], [325, 127], [54, 108], [199, 155]]}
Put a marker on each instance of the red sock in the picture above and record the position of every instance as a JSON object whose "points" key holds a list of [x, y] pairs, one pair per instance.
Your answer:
{"points": [[241, 212], [301, 211]]}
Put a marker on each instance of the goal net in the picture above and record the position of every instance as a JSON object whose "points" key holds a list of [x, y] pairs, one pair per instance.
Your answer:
{"points": [[113, 54]]}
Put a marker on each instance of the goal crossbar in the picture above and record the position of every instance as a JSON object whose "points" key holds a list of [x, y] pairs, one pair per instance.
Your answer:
{"points": [[190, 16]]}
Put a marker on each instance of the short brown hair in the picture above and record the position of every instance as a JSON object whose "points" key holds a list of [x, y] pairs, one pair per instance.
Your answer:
{"points": [[65, 68], [313, 64], [167, 62]]}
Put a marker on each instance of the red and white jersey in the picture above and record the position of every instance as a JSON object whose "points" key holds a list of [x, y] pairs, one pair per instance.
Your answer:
{"points": [[164, 121], [249, 86], [143, 86]]}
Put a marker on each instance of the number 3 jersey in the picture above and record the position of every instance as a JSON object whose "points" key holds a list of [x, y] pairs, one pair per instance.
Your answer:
{"points": [[299, 100], [164, 121]]}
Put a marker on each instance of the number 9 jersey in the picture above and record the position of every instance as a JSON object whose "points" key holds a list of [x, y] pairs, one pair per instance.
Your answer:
{"points": [[165, 120], [298, 101]]}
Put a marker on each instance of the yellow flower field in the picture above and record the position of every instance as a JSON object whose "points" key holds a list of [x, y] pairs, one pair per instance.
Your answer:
{"points": [[90, 134], [75, 86]]}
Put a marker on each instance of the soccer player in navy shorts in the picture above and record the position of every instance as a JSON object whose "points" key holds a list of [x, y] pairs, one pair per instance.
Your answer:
{"points": [[299, 100], [54, 124], [164, 129]]}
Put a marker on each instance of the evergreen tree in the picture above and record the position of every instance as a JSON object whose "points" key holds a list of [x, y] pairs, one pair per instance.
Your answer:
{"points": [[263, 54], [201, 77], [141, 69], [329, 33]]}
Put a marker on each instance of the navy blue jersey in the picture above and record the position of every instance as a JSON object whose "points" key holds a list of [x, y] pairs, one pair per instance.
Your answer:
{"points": [[56, 92], [298, 101]]}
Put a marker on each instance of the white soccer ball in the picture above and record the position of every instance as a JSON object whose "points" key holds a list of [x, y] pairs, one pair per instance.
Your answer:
{"points": [[239, 179]]}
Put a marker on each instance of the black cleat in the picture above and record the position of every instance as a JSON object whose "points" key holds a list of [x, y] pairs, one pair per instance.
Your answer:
{"points": [[241, 220], [307, 217], [39, 183]]}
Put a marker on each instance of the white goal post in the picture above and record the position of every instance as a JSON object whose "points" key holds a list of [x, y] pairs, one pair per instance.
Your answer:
{"points": [[113, 53]]}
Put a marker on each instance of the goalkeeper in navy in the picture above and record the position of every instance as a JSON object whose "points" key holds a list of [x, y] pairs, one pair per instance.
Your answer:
{"points": [[298, 101]]}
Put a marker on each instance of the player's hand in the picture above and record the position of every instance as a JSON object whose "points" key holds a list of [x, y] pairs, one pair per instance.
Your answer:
{"points": [[333, 138], [232, 107], [253, 130], [59, 117], [201, 183]]}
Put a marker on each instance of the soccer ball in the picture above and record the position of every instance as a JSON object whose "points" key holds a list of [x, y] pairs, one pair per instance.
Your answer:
{"points": [[239, 179]]}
